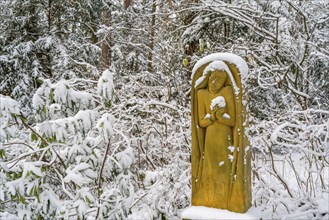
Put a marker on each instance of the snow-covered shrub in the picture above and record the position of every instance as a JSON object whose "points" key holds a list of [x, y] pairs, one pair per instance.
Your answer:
{"points": [[291, 165], [59, 100], [158, 128], [73, 164]]}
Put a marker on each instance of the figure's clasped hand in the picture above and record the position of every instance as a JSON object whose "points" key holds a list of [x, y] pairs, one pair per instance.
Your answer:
{"points": [[219, 113], [213, 114]]}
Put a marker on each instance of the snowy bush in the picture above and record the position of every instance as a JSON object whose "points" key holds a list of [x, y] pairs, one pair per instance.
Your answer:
{"points": [[290, 172], [65, 168]]}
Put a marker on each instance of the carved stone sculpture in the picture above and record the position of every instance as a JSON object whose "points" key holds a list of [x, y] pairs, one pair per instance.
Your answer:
{"points": [[220, 149]]}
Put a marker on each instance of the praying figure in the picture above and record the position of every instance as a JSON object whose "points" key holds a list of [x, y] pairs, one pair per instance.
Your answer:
{"points": [[220, 156]]}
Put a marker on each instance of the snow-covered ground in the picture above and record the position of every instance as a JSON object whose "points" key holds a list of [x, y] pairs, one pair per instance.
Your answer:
{"points": [[200, 212]]}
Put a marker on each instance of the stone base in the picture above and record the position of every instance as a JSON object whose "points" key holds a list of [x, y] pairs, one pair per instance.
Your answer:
{"points": [[201, 212]]}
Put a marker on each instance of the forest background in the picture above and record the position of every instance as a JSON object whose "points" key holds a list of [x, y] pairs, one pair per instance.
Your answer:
{"points": [[95, 104]]}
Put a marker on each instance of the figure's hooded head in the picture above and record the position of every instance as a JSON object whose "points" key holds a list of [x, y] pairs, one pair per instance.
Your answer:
{"points": [[216, 70]]}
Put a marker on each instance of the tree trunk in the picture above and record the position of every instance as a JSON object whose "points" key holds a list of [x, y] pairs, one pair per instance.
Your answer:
{"points": [[151, 47], [106, 58]]}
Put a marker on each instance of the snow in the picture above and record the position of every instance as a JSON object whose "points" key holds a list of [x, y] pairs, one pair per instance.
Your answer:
{"points": [[227, 116], [105, 85], [7, 215], [155, 102], [77, 178], [218, 101], [150, 177], [199, 81], [81, 206], [8, 106], [215, 65], [85, 119], [29, 167], [81, 166], [44, 90], [85, 193], [24, 214], [82, 99], [201, 212], [228, 57], [61, 92], [231, 148], [54, 111], [105, 126], [58, 128], [60, 98], [125, 158], [63, 127], [3, 59]]}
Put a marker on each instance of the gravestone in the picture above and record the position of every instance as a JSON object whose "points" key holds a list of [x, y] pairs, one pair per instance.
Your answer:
{"points": [[221, 160]]}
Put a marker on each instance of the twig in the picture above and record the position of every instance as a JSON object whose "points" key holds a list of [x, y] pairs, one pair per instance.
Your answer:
{"points": [[63, 185], [8, 144], [101, 172], [277, 175], [147, 158], [137, 200], [25, 155]]}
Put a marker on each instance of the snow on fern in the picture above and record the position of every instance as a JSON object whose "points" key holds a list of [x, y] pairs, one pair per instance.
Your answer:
{"points": [[85, 120], [64, 128], [65, 95], [61, 99], [105, 126], [77, 174], [125, 158], [41, 96], [55, 111], [105, 86], [8, 106]]}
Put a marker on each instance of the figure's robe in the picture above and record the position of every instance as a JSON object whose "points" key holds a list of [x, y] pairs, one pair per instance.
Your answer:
{"points": [[239, 195]]}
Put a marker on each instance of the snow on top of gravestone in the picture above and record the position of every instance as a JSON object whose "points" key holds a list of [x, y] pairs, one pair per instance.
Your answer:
{"points": [[215, 65], [228, 57]]}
